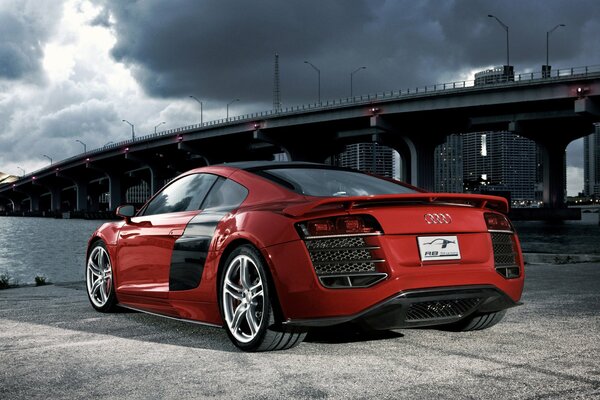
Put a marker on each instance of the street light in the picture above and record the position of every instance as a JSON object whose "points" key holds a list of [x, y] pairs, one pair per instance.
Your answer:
{"points": [[195, 98], [22, 171], [228, 104], [48, 158], [547, 39], [506, 29], [132, 129], [351, 77], [158, 126], [318, 77], [84, 146], [107, 143]]}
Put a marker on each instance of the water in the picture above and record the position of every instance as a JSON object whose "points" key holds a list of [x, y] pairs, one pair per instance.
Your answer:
{"points": [[568, 237], [55, 248]]}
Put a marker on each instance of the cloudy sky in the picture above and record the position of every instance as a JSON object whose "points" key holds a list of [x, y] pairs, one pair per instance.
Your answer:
{"points": [[74, 69]]}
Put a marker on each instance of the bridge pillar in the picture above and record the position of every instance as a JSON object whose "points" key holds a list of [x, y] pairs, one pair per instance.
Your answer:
{"points": [[81, 196], [553, 162], [55, 198], [116, 193], [11, 201], [34, 202], [416, 150]]}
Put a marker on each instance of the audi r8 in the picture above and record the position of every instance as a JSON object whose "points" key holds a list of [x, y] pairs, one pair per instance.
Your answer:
{"points": [[268, 250]]}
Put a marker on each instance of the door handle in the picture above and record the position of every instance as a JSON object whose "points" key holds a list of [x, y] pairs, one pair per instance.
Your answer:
{"points": [[176, 232]]}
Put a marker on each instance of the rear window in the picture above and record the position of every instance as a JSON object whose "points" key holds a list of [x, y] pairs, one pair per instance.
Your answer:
{"points": [[324, 182]]}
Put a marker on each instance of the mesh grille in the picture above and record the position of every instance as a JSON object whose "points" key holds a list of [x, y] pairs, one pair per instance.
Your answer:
{"points": [[440, 309], [354, 241], [504, 249], [344, 261], [340, 255], [344, 268]]}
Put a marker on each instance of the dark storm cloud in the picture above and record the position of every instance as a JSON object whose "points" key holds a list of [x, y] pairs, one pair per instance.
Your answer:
{"points": [[23, 30], [221, 50]]}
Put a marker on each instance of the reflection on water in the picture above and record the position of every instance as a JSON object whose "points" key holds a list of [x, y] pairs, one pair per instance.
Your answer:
{"points": [[56, 248]]}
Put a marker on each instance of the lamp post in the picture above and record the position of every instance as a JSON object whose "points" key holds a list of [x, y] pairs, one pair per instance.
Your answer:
{"points": [[49, 158], [132, 129], [158, 126], [195, 98], [107, 143], [83, 144], [318, 78], [548, 38], [506, 29], [22, 171], [228, 104], [352, 76]]}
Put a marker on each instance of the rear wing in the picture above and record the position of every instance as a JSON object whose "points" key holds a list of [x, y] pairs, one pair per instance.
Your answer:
{"points": [[471, 200]]}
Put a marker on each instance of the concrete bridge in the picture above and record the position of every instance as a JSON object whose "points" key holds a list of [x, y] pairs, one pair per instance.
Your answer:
{"points": [[552, 110]]}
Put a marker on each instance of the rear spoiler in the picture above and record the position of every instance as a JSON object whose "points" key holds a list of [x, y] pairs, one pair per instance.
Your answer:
{"points": [[473, 200]]}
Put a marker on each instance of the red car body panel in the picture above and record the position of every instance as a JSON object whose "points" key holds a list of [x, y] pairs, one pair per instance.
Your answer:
{"points": [[141, 250]]}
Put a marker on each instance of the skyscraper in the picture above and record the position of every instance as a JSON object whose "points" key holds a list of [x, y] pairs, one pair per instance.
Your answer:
{"points": [[501, 161], [488, 162], [448, 164], [368, 157], [591, 164]]}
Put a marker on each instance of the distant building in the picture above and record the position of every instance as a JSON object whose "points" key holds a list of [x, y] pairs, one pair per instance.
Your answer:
{"points": [[368, 157], [448, 164], [591, 164], [500, 162], [138, 194], [500, 74]]}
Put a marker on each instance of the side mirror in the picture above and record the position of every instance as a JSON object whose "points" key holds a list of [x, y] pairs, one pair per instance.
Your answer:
{"points": [[126, 211]]}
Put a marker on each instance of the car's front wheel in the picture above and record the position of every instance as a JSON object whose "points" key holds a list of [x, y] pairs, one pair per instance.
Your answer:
{"points": [[99, 278], [246, 304]]}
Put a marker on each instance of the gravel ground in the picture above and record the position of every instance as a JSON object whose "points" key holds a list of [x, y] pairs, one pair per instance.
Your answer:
{"points": [[54, 345]]}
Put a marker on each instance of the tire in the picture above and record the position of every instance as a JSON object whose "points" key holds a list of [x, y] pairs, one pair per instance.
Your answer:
{"points": [[477, 322], [246, 303], [99, 282]]}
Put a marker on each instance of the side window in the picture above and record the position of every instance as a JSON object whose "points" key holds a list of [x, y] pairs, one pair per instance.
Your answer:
{"points": [[184, 194], [225, 195]]}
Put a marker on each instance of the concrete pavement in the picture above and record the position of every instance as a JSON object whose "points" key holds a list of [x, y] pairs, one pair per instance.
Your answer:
{"points": [[54, 345]]}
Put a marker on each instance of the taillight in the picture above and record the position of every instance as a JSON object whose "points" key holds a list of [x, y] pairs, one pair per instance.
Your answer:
{"points": [[343, 225], [497, 222]]}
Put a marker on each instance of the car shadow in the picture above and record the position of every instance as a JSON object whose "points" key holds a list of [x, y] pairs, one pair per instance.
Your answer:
{"points": [[347, 333], [39, 305]]}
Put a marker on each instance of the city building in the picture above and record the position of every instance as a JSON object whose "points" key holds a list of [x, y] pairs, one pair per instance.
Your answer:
{"points": [[500, 162], [591, 164], [448, 164], [500, 74], [369, 157], [138, 194]]}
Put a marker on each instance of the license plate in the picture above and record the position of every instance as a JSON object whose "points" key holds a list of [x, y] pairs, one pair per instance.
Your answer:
{"points": [[434, 248]]}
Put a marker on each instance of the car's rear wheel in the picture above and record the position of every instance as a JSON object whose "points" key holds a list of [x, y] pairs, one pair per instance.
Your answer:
{"points": [[99, 278], [477, 322], [246, 302]]}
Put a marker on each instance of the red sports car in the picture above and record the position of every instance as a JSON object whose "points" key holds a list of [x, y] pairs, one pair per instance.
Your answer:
{"points": [[269, 249]]}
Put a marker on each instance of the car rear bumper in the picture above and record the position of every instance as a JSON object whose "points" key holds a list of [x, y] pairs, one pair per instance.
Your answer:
{"points": [[304, 295], [425, 307]]}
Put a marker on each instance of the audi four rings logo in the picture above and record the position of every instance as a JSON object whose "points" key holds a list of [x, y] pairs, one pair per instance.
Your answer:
{"points": [[438, 218]]}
